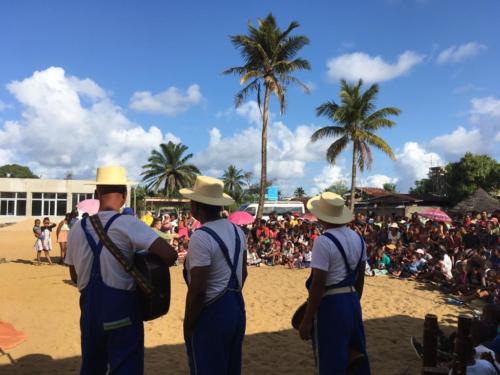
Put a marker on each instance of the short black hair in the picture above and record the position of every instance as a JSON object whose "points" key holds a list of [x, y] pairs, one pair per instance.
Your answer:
{"points": [[46, 218], [208, 208], [108, 189]]}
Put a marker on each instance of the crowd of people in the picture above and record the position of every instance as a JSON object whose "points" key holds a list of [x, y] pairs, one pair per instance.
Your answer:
{"points": [[462, 257]]}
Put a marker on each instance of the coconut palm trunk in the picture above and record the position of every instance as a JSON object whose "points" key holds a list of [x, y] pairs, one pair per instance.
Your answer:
{"points": [[263, 153], [353, 176]]}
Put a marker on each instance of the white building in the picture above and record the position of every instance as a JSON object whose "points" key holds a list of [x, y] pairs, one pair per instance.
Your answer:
{"points": [[26, 197]]}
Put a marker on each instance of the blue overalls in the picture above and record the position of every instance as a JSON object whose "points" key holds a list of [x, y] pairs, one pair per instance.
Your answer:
{"points": [[111, 322], [338, 325], [216, 344]]}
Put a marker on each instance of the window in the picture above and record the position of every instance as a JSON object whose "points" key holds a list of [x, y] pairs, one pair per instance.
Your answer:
{"points": [[78, 197], [48, 204], [12, 204]]}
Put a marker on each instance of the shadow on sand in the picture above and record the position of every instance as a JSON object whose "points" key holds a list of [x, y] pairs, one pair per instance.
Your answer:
{"points": [[280, 352]]}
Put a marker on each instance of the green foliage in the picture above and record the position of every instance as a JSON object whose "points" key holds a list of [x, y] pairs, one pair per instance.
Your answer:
{"points": [[390, 187], [338, 187], [299, 192], [168, 169], [16, 171], [234, 179], [423, 186], [470, 172], [355, 121]]}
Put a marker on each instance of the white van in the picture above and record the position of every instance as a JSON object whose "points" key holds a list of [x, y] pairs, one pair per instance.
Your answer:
{"points": [[279, 207]]}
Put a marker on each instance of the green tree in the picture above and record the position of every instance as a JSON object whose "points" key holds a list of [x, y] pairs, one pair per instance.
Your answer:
{"points": [[269, 56], [470, 172], [233, 179], [423, 186], [299, 192], [16, 171], [355, 121], [389, 186], [168, 169], [338, 187]]}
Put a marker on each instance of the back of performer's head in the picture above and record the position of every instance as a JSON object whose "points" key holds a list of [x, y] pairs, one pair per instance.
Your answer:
{"points": [[207, 209]]}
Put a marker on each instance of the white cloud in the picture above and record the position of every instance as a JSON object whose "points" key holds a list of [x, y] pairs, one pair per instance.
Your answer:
{"points": [[251, 112], [169, 102], [413, 163], [377, 180], [59, 132], [458, 142], [456, 54], [353, 66], [329, 175], [288, 151], [487, 106]]}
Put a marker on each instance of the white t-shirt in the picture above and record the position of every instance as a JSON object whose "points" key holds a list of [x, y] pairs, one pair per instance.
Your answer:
{"points": [[307, 256], [447, 266], [480, 349], [204, 251], [326, 256], [481, 367], [127, 232]]}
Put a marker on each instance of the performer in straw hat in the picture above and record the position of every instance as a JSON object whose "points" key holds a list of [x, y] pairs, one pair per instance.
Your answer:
{"points": [[112, 333], [214, 323], [333, 313]]}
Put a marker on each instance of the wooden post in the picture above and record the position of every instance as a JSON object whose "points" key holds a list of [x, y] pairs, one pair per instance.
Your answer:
{"points": [[429, 361], [460, 351]]}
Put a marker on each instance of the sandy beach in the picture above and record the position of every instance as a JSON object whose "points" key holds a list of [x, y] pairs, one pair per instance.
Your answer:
{"points": [[42, 302]]}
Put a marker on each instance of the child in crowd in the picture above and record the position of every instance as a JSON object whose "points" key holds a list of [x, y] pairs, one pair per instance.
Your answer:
{"points": [[43, 239]]}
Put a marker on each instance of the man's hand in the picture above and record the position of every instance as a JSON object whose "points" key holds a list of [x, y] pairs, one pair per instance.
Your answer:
{"points": [[305, 330]]}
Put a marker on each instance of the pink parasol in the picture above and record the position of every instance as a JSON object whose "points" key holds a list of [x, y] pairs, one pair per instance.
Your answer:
{"points": [[435, 214], [309, 217], [90, 206], [241, 218]]}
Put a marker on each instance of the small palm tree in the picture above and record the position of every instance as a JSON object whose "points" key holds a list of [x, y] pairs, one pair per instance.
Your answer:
{"points": [[233, 179], [168, 169], [269, 54], [356, 121], [299, 192]]}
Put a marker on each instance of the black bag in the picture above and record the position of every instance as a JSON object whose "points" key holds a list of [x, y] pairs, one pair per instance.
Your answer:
{"points": [[151, 275]]}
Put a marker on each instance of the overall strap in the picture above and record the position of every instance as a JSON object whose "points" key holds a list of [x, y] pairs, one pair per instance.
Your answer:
{"points": [[97, 246], [340, 248], [232, 265], [363, 249]]}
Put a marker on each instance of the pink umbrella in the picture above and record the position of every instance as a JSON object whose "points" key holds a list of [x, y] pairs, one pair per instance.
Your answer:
{"points": [[90, 206], [241, 218], [435, 214], [309, 217]]}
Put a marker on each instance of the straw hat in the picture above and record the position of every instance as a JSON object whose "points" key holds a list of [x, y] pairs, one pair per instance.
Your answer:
{"points": [[330, 208], [208, 190], [394, 226], [110, 175]]}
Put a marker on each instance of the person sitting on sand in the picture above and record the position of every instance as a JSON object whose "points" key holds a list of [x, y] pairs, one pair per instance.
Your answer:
{"points": [[112, 331], [335, 289]]}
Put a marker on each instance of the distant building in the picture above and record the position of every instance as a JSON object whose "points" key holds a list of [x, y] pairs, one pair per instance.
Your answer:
{"points": [[25, 197], [437, 176]]}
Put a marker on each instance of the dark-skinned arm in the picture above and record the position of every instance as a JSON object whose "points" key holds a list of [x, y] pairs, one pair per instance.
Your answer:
{"points": [[244, 269], [360, 279], [316, 291], [72, 274], [163, 249], [195, 299]]}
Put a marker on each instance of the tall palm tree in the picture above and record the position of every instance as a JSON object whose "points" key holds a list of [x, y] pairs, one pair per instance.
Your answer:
{"points": [[269, 56], [233, 179], [299, 192], [356, 120], [168, 169]]}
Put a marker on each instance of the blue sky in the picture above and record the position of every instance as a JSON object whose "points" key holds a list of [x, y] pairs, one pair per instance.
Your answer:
{"points": [[99, 82]]}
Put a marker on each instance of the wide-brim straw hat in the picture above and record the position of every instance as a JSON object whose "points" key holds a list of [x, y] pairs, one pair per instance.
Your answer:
{"points": [[330, 208], [110, 175], [208, 190]]}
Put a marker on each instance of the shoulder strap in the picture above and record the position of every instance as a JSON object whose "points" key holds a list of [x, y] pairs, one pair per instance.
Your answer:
{"points": [[340, 248], [129, 267], [363, 249], [225, 251]]}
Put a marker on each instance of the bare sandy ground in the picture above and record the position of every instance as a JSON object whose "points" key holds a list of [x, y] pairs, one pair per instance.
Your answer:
{"points": [[41, 301]]}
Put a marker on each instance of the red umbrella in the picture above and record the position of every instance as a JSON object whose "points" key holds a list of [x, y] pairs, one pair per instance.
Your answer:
{"points": [[435, 215], [90, 206], [241, 218], [309, 217]]}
